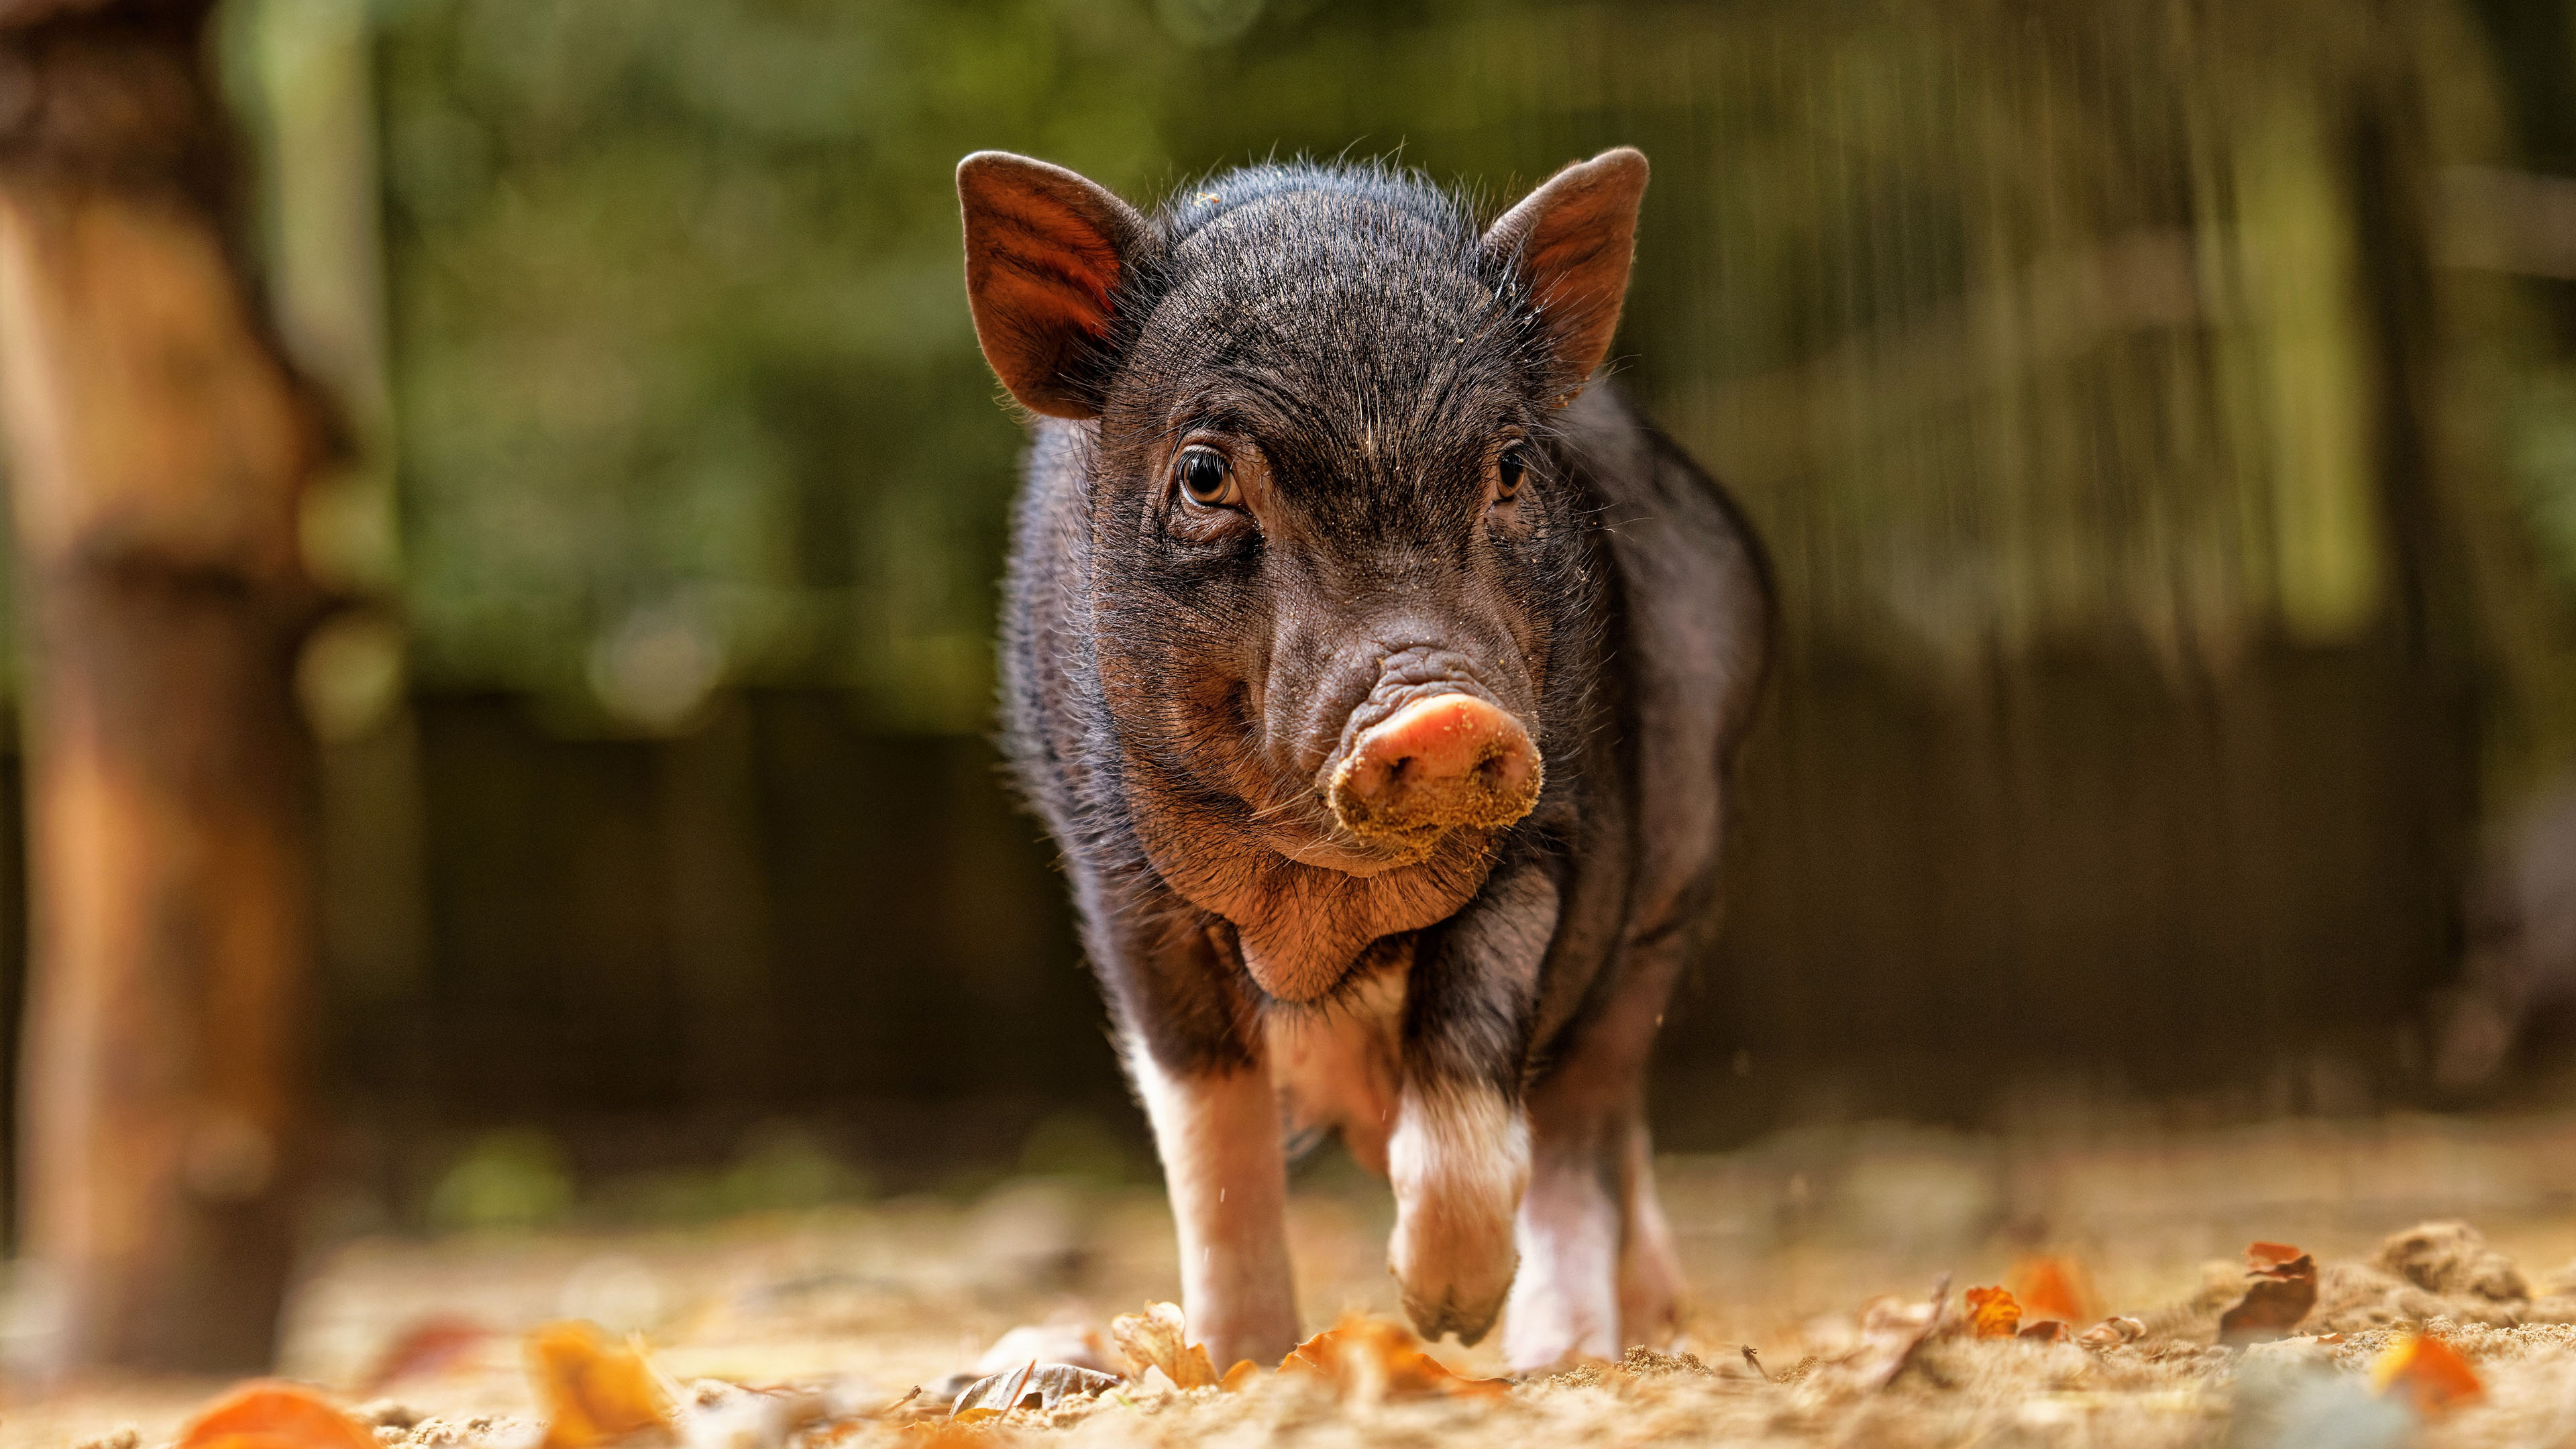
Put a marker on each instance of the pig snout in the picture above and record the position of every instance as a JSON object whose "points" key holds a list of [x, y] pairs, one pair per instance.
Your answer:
{"points": [[1450, 761]]}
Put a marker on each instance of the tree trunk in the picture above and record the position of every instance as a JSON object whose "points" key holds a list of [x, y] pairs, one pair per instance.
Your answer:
{"points": [[158, 447]]}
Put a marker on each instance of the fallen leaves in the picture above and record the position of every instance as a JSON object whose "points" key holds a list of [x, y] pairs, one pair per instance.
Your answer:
{"points": [[594, 1392], [1369, 1359], [2111, 1333], [2282, 1290], [270, 1415], [1892, 1335], [1992, 1313], [1156, 1338], [426, 1346], [2428, 1375], [2053, 1287], [1032, 1385]]}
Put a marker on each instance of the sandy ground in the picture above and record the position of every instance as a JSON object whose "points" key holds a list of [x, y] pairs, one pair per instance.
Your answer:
{"points": [[1786, 1246]]}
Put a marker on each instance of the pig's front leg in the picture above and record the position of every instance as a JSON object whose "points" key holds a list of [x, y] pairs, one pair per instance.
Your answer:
{"points": [[1459, 1156], [1194, 1049], [1226, 1173], [1599, 1271]]}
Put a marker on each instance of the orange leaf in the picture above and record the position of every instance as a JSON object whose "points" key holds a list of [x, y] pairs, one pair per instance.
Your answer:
{"points": [[1369, 1359], [1992, 1313], [594, 1392], [2048, 1286], [267, 1414], [1240, 1377], [2276, 1260], [425, 1346], [1155, 1338], [2428, 1374], [2283, 1290]]}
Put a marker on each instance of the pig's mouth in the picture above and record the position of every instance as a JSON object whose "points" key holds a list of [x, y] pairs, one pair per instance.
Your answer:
{"points": [[1437, 762]]}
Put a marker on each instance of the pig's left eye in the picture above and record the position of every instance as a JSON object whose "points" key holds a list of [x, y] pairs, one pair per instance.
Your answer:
{"points": [[1509, 470], [1208, 478]]}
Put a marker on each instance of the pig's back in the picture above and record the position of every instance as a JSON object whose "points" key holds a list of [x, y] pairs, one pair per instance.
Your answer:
{"points": [[1691, 644]]}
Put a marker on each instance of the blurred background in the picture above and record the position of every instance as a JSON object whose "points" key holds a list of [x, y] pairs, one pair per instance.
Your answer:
{"points": [[2163, 417]]}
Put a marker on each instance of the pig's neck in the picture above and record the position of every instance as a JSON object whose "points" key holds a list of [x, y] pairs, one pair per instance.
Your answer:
{"points": [[1302, 927]]}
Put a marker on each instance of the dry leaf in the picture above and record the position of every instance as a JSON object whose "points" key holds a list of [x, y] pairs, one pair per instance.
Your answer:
{"points": [[1048, 1384], [2428, 1374], [1240, 1377], [1369, 1359], [2283, 1290], [1892, 1336], [1156, 1338], [594, 1392], [2048, 1286], [2047, 1330], [2111, 1333], [1074, 1343], [267, 1414], [1992, 1313], [426, 1346]]}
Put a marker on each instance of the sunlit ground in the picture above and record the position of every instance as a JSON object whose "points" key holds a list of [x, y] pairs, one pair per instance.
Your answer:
{"points": [[1783, 1242]]}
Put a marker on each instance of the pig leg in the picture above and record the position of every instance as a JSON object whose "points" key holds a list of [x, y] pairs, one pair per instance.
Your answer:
{"points": [[1598, 1270], [1190, 1034], [1459, 1158], [1226, 1173]]}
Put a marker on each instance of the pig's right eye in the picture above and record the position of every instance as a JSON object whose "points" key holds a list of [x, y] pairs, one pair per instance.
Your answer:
{"points": [[1207, 478]]}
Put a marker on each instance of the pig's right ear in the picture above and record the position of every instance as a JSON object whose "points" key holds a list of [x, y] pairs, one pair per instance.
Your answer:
{"points": [[1044, 253], [1571, 241]]}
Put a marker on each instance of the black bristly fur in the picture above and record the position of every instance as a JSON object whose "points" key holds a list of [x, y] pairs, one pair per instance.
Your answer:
{"points": [[1175, 683]]}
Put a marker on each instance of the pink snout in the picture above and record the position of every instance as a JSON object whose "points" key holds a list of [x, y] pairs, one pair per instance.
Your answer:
{"points": [[1451, 761]]}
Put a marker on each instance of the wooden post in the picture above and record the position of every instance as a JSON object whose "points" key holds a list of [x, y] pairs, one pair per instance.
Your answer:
{"points": [[158, 447]]}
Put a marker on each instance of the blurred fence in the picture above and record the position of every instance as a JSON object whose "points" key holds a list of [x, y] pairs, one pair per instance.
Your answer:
{"points": [[2160, 413]]}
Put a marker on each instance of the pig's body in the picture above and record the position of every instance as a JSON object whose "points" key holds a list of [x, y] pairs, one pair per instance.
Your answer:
{"points": [[1472, 1008]]}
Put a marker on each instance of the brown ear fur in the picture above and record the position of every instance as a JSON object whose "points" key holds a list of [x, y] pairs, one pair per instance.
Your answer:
{"points": [[1044, 252], [1572, 239]]}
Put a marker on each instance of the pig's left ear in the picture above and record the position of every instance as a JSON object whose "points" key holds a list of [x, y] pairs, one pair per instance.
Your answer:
{"points": [[1571, 241], [1045, 250]]}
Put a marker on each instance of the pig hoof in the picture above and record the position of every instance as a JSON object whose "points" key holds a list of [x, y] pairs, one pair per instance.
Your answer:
{"points": [[1459, 1161]]}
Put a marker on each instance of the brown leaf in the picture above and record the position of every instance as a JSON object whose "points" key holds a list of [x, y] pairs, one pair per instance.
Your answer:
{"points": [[1992, 1313], [1043, 1386], [2428, 1374], [2111, 1333], [1369, 1359], [1894, 1339], [594, 1392], [267, 1414], [2049, 1286], [1155, 1338], [2284, 1288], [2047, 1330], [425, 1346]]}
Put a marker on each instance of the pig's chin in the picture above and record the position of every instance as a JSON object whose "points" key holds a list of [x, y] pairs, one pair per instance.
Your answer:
{"points": [[1366, 856]]}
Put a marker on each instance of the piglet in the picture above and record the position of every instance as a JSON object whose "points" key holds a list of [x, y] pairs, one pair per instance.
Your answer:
{"points": [[1377, 673]]}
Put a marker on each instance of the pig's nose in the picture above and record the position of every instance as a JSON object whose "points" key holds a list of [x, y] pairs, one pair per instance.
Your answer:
{"points": [[1435, 765]]}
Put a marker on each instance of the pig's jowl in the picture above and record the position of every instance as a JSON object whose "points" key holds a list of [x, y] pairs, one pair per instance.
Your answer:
{"points": [[1377, 672]]}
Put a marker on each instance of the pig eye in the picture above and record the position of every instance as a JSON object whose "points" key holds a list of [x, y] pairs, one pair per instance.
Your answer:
{"points": [[1206, 477], [1509, 469]]}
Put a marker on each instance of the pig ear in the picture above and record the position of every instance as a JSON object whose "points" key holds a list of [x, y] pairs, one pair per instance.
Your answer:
{"points": [[1571, 240], [1044, 253]]}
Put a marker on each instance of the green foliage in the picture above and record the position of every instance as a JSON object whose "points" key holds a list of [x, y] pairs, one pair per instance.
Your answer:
{"points": [[2015, 329], [515, 1178]]}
